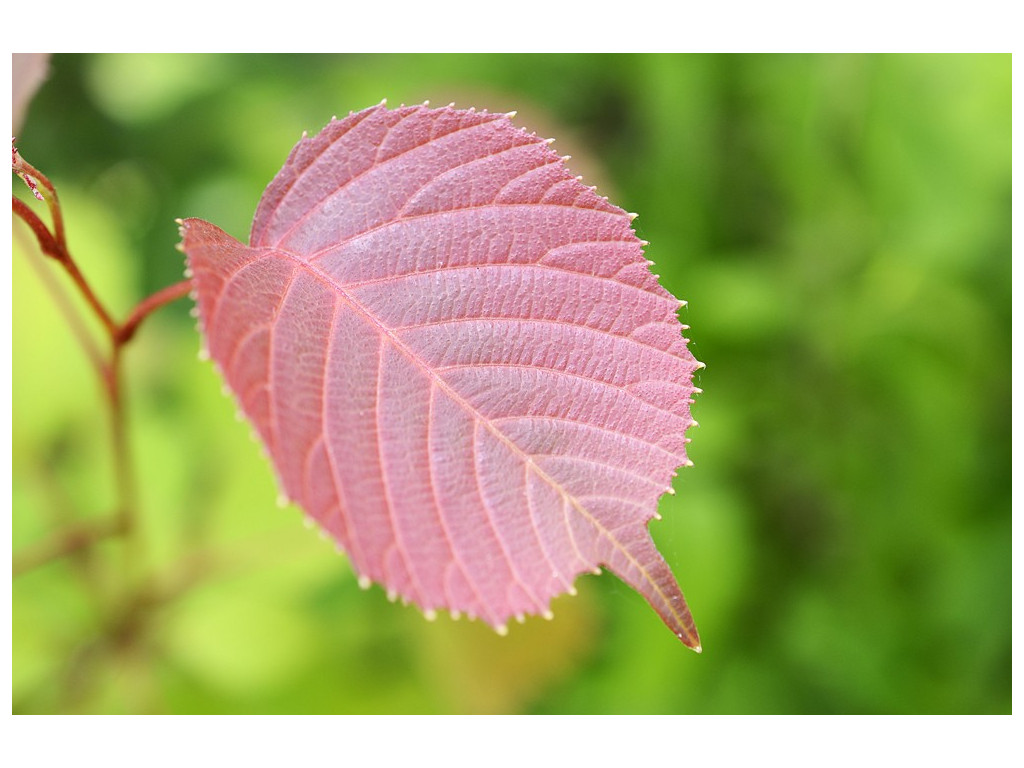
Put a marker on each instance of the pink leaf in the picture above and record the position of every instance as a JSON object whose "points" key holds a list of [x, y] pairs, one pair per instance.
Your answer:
{"points": [[458, 360]]}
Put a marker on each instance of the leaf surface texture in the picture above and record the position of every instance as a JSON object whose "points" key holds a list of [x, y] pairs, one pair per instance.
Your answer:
{"points": [[458, 360]]}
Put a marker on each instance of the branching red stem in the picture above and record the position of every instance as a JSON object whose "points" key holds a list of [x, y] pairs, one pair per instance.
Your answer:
{"points": [[55, 247], [149, 305], [54, 244]]}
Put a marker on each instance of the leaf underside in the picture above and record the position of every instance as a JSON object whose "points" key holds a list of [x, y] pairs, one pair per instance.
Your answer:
{"points": [[458, 361]]}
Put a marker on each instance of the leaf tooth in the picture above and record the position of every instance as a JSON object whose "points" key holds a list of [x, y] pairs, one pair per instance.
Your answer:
{"points": [[657, 516], [204, 354], [697, 391], [520, 618], [572, 590], [547, 614], [700, 365], [392, 595], [502, 629], [511, 114], [364, 582], [644, 244], [429, 614], [632, 216], [549, 141], [565, 158], [596, 570], [456, 615], [670, 491]]}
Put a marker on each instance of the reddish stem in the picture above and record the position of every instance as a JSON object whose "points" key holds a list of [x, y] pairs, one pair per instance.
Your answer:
{"points": [[56, 248], [149, 305], [53, 244]]}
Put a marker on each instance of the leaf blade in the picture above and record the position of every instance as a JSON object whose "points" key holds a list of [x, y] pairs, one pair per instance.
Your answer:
{"points": [[468, 344]]}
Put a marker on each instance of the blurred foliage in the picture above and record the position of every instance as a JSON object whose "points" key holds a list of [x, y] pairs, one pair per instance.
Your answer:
{"points": [[840, 226]]}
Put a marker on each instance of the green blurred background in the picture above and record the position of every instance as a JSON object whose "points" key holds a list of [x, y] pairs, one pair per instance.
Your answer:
{"points": [[840, 225]]}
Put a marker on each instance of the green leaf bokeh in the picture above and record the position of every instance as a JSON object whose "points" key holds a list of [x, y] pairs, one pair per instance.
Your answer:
{"points": [[840, 225]]}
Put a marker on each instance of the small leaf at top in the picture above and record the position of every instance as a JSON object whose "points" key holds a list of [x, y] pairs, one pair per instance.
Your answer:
{"points": [[458, 360]]}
